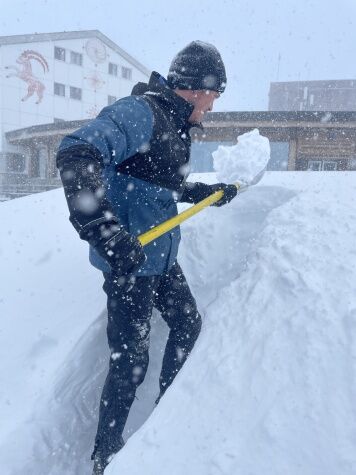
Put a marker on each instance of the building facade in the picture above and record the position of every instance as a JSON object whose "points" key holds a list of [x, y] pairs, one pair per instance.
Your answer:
{"points": [[50, 79], [333, 95]]}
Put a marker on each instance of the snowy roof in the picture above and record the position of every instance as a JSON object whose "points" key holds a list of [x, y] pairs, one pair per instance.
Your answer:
{"points": [[62, 128], [72, 35], [282, 119]]}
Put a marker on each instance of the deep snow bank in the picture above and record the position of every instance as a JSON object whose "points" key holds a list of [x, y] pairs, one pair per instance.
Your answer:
{"points": [[270, 387]]}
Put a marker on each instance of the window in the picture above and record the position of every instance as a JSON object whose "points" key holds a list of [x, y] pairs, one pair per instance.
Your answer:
{"points": [[59, 89], [329, 165], [111, 100], [113, 69], [59, 53], [76, 58], [75, 93], [314, 165], [279, 156], [15, 163], [126, 73], [322, 165]]}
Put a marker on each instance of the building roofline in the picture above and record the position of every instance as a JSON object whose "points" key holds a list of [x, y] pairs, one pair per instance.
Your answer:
{"points": [[62, 126], [216, 119], [324, 117], [72, 35]]}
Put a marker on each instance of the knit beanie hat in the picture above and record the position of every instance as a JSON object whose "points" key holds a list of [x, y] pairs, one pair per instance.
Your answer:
{"points": [[198, 66]]}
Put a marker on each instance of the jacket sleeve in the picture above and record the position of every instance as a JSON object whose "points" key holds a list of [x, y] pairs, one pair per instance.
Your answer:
{"points": [[118, 132]]}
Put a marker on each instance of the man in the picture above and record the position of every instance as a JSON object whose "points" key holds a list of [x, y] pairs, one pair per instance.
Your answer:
{"points": [[123, 173]]}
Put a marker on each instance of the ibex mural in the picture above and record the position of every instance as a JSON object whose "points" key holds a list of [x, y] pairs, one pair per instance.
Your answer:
{"points": [[25, 73]]}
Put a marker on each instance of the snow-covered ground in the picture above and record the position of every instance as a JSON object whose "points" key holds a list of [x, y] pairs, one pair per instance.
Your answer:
{"points": [[270, 387]]}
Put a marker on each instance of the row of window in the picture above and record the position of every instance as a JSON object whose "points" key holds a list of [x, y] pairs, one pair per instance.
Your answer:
{"points": [[75, 93], [74, 58], [77, 58], [126, 73]]}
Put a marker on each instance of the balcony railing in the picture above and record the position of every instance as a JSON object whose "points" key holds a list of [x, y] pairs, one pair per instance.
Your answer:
{"points": [[14, 185]]}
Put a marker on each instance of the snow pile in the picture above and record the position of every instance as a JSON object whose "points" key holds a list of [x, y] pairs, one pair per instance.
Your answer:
{"points": [[243, 161], [50, 299], [270, 387], [53, 351]]}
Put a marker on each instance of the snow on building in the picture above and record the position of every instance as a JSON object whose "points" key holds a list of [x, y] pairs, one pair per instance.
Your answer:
{"points": [[48, 79]]}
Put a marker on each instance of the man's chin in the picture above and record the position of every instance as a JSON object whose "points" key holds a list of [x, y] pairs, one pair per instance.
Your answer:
{"points": [[196, 119]]}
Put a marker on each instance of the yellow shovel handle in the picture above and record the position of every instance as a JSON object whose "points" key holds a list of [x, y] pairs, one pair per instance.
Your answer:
{"points": [[171, 223]]}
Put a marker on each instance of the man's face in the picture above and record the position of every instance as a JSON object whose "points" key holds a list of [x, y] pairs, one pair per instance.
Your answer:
{"points": [[203, 102]]}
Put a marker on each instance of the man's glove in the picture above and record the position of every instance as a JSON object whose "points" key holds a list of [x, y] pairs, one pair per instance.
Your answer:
{"points": [[195, 192], [91, 213], [121, 250]]}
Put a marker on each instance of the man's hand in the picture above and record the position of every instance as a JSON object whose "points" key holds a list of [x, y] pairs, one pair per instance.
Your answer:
{"points": [[123, 251], [195, 192]]}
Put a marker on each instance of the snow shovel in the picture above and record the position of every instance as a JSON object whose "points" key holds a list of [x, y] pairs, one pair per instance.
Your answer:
{"points": [[171, 223]]}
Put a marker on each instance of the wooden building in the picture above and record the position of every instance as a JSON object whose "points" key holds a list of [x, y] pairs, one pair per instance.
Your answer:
{"points": [[299, 141]]}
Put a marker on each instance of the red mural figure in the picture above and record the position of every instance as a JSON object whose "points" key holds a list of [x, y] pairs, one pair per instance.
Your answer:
{"points": [[34, 85]]}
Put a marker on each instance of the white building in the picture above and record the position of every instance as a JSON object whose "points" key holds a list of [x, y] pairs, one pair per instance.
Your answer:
{"points": [[50, 78]]}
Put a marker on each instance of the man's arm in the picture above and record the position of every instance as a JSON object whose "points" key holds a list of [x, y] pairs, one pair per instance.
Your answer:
{"points": [[116, 134]]}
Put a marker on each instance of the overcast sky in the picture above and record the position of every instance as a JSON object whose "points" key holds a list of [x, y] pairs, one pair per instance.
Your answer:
{"points": [[314, 39]]}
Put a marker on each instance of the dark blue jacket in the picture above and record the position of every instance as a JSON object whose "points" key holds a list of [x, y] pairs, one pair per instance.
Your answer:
{"points": [[145, 146]]}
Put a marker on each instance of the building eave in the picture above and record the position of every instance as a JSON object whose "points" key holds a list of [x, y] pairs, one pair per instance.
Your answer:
{"points": [[284, 119], [36, 131], [214, 120]]}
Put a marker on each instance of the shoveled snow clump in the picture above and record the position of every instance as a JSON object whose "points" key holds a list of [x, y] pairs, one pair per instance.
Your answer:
{"points": [[243, 161]]}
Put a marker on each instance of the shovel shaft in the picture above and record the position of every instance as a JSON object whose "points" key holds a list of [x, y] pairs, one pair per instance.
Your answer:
{"points": [[171, 223]]}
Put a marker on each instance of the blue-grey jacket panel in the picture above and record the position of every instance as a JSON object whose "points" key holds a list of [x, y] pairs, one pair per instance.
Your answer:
{"points": [[120, 131]]}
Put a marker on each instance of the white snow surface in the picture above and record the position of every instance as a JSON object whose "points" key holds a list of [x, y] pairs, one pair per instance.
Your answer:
{"points": [[270, 387], [244, 161]]}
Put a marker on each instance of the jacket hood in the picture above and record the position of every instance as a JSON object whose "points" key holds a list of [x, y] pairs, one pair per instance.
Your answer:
{"points": [[157, 87]]}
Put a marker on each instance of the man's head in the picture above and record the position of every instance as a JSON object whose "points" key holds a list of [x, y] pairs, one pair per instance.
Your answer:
{"points": [[197, 73], [202, 100]]}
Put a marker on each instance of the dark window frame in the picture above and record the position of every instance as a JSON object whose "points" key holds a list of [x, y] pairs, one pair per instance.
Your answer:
{"points": [[60, 53], [126, 73], [15, 163], [57, 87], [111, 100], [74, 55], [113, 69], [75, 93]]}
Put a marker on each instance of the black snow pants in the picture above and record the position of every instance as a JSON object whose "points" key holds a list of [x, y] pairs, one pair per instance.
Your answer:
{"points": [[128, 332]]}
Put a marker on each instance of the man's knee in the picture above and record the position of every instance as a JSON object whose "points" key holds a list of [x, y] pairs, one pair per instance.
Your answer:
{"points": [[128, 368]]}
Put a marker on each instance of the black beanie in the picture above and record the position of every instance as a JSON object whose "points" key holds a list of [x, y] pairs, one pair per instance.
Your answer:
{"points": [[198, 66]]}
